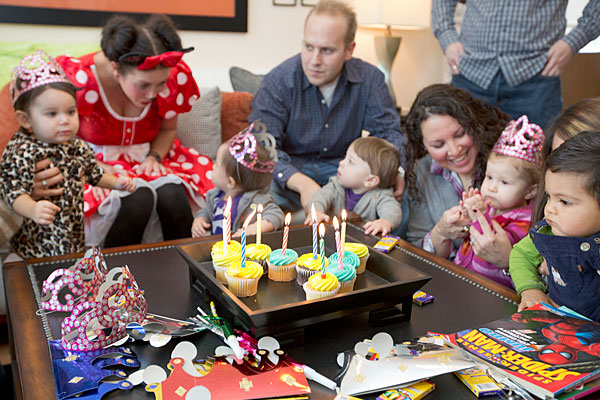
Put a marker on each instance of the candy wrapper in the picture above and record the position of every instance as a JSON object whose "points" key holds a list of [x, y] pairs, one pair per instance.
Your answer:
{"points": [[379, 365]]}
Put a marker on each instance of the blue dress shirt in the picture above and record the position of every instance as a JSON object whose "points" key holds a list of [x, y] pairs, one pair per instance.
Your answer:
{"points": [[305, 128]]}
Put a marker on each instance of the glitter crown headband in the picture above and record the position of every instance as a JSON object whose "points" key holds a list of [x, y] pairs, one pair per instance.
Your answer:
{"points": [[243, 148], [522, 140], [35, 70]]}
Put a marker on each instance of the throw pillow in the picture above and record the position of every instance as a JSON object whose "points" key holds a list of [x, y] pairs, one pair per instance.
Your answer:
{"points": [[7, 115], [235, 110], [244, 81], [201, 127]]}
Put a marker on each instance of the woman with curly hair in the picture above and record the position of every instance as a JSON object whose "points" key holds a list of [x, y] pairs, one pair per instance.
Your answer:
{"points": [[450, 135]]}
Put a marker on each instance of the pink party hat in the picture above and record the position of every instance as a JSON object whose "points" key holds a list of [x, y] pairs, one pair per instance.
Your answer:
{"points": [[522, 140], [35, 70], [242, 147]]}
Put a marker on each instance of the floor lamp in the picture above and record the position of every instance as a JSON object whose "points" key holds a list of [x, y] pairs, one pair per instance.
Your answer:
{"points": [[391, 15]]}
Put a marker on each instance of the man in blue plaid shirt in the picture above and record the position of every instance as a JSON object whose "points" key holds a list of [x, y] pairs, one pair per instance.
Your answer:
{"points": [[317, 102], [511, 52]]}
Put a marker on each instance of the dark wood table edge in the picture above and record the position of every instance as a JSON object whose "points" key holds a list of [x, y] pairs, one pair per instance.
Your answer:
{"points": [[30, 357]]}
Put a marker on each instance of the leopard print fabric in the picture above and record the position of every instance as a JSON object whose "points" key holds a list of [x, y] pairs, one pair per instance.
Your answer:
{"points": [[76, 161]]}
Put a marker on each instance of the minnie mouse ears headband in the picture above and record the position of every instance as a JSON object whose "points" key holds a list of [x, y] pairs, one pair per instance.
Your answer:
{"points": [[242, 147], [522, 140], [35, 70], [146, 61]]}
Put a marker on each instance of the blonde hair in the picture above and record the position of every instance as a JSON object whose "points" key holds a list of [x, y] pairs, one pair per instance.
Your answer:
{"points": [[529, 172], [383, 158], [335, 8]]}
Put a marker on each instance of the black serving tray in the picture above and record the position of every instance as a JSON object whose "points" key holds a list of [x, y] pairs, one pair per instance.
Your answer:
{"points": [[280, 309]]}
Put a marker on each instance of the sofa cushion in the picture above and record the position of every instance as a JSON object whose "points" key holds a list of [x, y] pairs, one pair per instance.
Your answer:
{"points": [[235, 110], [244, 81], [200, 128], [9, 124]]}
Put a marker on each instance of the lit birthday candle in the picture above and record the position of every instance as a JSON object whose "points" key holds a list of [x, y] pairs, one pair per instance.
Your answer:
{"points": [[338, 242], [286, 232], [227, 225], [322, 248], [314, 220], [258, 223], [246, 223], [343, 235]]}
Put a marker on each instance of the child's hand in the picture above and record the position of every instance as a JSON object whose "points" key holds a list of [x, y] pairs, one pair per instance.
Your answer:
{"points": [[531, 297], [199, 227], [472, 200], [44, 211], [125, 183], [321, 217], [377, 226]]}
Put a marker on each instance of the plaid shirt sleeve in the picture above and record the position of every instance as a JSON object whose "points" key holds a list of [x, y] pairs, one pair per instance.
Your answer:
{"points": [[588, 27], [442, 17]]}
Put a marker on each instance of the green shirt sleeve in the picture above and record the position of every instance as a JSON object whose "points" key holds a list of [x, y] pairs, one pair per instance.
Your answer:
{"points": [[523, 266]]}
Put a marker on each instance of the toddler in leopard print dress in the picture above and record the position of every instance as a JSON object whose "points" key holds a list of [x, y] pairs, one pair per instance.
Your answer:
{"points": [[46, 110]]}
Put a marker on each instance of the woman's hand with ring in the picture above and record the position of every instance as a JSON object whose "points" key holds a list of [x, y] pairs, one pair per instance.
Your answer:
{"points": [[45, 180], [453, 224]]}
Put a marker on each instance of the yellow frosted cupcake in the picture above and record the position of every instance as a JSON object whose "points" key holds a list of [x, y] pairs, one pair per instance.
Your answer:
{"points": [[259, 253], [362, 252], [243, 282], [306, 266], [221, 261], [321, 286]]}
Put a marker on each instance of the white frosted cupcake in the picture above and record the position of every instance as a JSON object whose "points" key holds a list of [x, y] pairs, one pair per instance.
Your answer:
{"points": [[243, 282], [362, 252], [282, 267], [222, 260], [306, 266], [321, 286]]}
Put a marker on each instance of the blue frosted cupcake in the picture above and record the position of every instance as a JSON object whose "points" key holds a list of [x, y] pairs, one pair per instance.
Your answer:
{"points": [[346, 276], [349, 257], [282, 268]]}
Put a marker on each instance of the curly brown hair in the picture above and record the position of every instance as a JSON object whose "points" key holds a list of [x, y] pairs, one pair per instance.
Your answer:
{"points": [[481, 121]]}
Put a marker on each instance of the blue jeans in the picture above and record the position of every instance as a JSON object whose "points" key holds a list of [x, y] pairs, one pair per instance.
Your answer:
{"points": [[318, 170], [540, 98]]}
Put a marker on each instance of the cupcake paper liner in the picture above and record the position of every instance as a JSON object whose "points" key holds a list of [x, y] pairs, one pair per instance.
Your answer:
{"points": [[282, 273], [347, 286], [220, 272], [312, 294], [303, 273], [242, 287], [363, 264]]}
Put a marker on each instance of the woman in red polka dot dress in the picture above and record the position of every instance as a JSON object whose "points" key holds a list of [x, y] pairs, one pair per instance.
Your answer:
{"points": [[130, 94]]}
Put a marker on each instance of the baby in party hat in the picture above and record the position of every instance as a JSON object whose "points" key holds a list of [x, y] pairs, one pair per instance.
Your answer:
{"points": [[46, 110], [514, 169]]}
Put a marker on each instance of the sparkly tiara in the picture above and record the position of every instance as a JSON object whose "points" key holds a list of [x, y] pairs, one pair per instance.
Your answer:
{"points": [[243, 148], [35, 70], [522, 140]]}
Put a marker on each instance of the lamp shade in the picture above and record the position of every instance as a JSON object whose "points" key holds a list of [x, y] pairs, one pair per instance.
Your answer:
{"points": [[401, 13]]}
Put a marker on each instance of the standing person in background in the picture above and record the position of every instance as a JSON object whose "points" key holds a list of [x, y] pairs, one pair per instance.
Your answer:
{"points": [[319, 101], [129, 96], [511, 53]]}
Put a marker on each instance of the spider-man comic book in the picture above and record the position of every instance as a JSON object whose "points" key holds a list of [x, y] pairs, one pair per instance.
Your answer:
{"points": [[542, 349]]}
